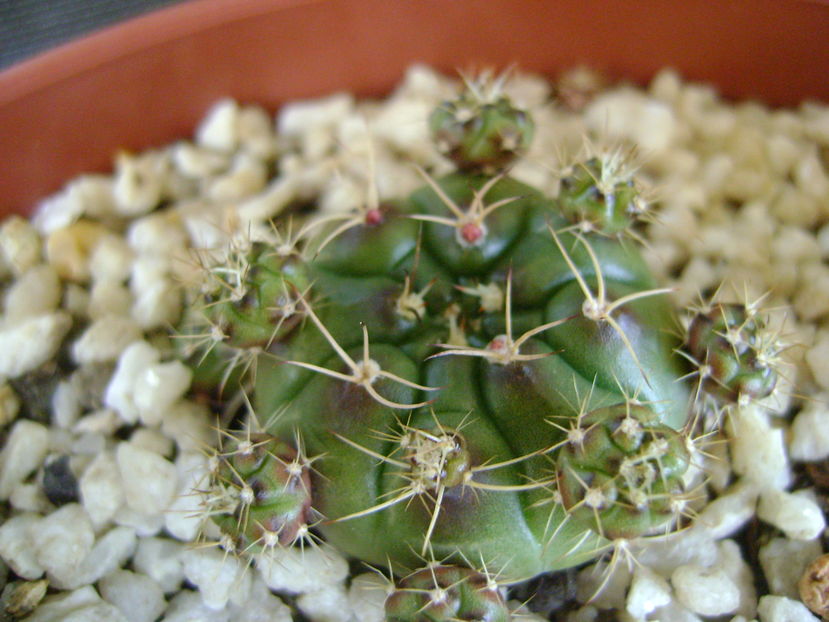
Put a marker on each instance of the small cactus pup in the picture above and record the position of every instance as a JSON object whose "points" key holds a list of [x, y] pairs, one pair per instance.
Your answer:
{"points": [[481, 129], [481, 372], [260, 493], [441, 593], [736, 354]]}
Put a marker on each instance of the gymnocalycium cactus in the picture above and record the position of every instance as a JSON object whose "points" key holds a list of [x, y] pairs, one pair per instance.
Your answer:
{"points": [[476, 373]]}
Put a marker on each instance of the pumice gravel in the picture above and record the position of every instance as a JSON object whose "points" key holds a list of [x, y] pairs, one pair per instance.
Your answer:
{"points": [[161, 453]]}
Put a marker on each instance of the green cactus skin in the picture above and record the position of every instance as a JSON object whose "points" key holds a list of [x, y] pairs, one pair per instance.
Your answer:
{"points": [[261, 493], [600, 194], [440, 593], [482, 372], [481, 130], [635, 487], [735, 352]]}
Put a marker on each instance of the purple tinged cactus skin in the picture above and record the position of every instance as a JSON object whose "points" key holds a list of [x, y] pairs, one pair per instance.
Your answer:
{"points": [[481, 130], [599, 194], [484, 373], [261, 494], [735, 352], [441, 593], [621, 472]]}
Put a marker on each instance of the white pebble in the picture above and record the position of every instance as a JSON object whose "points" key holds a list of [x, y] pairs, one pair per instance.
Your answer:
{"points": [[256, 132], [795, 514], [187, 606], [730, 561], [394, 125], [158, 235], [783, 562], [247, 176], [66, 407], [86, 195], [75, 299], [263, 606], [16, 548], [625, 113], [111, 260], [20, 245], [811, 301], [325, 605], [105, 339], [302, 117], [295, 571], [153, 440], [36, 292], [648, 591], [783, 152], [24, 452], [185, 517], [27, 345], [726, 514], [160, 559], [87, 445], [603, 585], [144, 524], [811, 176], [139, 182], [795, 244], [218, 130], [63, 540], [189, 425], [823, 240], [217, 575], [157, 301], [758, 450], [30, 498], [109, 297], [674, 612], [588, 613], [265, 205], [81, 605], [158, 387], [101, 490], [782, 609], [112, 550], [367, 597], [817, 358], [9, 404], [135, 595], [120, 392], [706, 591], [197, 162], [692, 546], [101, 422], [149, 480]]}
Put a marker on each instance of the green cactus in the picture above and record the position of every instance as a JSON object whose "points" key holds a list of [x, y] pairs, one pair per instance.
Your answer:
{"points": [[735, 353], [481, 371], [260, 495], [439, 593]]}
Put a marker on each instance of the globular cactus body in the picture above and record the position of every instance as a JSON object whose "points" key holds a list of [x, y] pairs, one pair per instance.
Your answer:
{"points": [[502, 409], [484, 374]]}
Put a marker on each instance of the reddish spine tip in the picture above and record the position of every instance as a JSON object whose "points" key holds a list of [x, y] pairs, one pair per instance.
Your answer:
{"points": [[374, 216], [471, 232]]}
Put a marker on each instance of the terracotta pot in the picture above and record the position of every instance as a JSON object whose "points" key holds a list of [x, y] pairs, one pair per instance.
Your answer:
{"points": [[148, 81]]}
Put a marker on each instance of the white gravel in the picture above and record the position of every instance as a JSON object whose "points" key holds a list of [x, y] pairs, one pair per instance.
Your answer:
{"points": [[744, 200]]}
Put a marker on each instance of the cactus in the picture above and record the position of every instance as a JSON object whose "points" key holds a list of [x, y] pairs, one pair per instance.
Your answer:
{"points": [[440, 592], [480, 372]]}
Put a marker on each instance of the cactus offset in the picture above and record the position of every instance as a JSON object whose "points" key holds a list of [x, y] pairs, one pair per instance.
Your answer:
{"points": [[484, 372]]}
